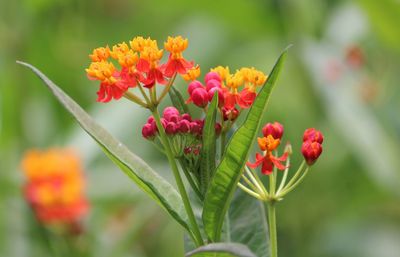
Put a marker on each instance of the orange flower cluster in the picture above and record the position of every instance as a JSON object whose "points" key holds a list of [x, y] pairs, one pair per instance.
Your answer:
{"points": [[139, 62], [55, 185]]}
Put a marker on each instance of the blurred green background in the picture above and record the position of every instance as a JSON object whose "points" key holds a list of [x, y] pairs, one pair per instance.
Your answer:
{"points": [[348, 206]]}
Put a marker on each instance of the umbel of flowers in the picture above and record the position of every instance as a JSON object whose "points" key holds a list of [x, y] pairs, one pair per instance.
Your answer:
{"points": [[54, 187], [136, 71]]}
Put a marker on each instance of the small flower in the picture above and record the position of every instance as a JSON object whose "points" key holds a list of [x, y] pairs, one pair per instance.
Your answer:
{"points": [[176, 63], [149, 131], [192, 73], [55, 186], [311, 151], [230, 114], [100, 54], [274, 129]]}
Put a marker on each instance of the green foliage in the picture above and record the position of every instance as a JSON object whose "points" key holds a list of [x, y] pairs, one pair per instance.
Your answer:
{"points": [[222, 250], [178, 101], [227, 175], [133, 166]]}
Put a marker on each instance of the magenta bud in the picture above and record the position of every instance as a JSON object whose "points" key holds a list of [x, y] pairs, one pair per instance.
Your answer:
{"points": [[183, 126], [187, 150], [212, 75], [274, 129], [220, 95], [193, 85], [311, 151], [212, 83], [170, 111], [186, 116], [148, 131], [164, 122], [170, 129], [150, 119], [195, 128], [200, 97], [230, 114], [174, 118], [313, 135]]}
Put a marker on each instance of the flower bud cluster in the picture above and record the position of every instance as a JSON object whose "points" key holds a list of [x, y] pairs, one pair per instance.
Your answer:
{"points": [[201, 94], [175, 124], [312, 145]]}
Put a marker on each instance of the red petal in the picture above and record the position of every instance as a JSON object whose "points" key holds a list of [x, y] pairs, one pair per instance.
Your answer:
{"points": [[267, 166]]}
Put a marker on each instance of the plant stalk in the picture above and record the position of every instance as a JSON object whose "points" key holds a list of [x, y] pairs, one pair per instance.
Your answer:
{"points": [[272, 228], [181, 187]]}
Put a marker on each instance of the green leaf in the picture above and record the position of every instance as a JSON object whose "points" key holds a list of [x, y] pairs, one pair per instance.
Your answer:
{"points": [[207, 155], [224, 182], [133, 166], [245, 223], [222, 250], [177, 100]]}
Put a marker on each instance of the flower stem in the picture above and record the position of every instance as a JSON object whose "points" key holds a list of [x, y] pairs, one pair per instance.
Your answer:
{"points": [[272, 228], [181, 187], [166, 89]]}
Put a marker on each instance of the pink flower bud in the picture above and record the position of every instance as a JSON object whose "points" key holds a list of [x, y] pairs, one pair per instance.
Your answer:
{"points": [[164, 122], [313, 135], [212, 83], [200, 97], [187, 150], [150, 119], [212, 75], [193, 85], [220, 95], [148, 131], [187, 117], [311, 151], [195, 128], [174, 118], [274, 129], [230, 114], [170, 111], [183, 126], [170, 129]]}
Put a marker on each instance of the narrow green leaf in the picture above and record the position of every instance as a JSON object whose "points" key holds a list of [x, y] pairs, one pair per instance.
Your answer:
{"points": [[222, 250], [133, 166], [207, 155], [224, 182], [178, 101]]}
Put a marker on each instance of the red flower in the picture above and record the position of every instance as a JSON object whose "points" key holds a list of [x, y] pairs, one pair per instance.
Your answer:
{"points": [[173, 66], [274, 129], [268, 161], [153, 74], [311, 151]]}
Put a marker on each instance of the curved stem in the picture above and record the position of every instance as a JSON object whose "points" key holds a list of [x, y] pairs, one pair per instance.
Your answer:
{"points": [[283, 181], [181, 187], [250, 192], [296, 175], [191, 181], [166, 89], [288, 189], [144, 95], [134, 98], [272, 228]]}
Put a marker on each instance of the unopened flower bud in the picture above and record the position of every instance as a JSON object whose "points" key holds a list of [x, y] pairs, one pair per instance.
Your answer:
{"points": [[220, 95], [288, 148], [148, 131], [193, 85], [212, 76], [150, 119], [186, 116], [311, 151], [170, 129], [313, 135], [274, 129], [195, 128], [212, 83], [230, 114], [169, 112], [200, 97], [164, 122], [183, 126]]}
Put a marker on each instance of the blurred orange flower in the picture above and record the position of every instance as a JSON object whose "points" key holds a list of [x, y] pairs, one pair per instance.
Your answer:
{"points": [[55, 185]]}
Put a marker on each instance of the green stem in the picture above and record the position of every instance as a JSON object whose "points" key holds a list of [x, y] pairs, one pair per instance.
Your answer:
{"points": [[223, 139], [181, 187], [166, 89], [191, 181], [272, 228], [295, 184]]}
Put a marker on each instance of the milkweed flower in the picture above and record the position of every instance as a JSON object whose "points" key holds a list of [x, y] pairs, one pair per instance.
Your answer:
{"points": [[176, 63], [267, 160], [54, 186]]}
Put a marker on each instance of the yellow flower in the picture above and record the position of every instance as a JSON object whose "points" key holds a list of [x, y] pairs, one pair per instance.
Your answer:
{"points": [[192, 74], [139, 43], [176, 45], [102, 71], [100, 54]]}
